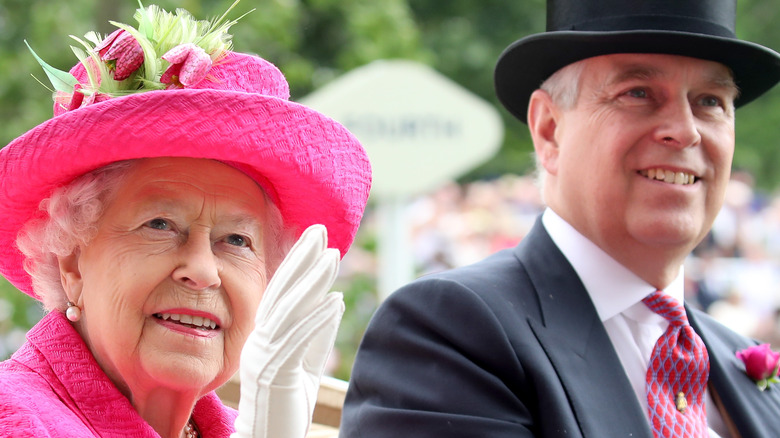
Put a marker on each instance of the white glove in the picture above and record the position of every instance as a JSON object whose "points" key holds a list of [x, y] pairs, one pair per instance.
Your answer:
{"points": [[295, 328]]}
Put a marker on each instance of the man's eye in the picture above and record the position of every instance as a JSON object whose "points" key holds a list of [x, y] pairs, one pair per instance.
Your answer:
{"points": [[237, 240], [710, 101], [158, 224]]}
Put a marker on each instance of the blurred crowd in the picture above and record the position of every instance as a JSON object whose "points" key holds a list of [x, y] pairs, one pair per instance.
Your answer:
{"points": [[734, 274]]}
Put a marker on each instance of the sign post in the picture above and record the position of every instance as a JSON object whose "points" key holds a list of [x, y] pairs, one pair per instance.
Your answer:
{"points": [[419, 129]]}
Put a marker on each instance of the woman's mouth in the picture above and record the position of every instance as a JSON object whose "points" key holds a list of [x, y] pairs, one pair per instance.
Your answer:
{"points": [[196, 322]]}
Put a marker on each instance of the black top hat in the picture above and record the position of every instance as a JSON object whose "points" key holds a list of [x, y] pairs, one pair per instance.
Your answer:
{"points": [[579, 29]]}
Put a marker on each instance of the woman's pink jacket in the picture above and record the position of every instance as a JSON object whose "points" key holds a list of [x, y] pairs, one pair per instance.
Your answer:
{"points": [[53, 387]]}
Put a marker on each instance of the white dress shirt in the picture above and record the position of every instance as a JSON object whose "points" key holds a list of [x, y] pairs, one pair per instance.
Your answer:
{"points": [[617, 295]]}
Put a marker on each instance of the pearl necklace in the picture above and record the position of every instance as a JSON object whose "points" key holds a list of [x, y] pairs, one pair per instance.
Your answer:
{"points": [[190, 431]]}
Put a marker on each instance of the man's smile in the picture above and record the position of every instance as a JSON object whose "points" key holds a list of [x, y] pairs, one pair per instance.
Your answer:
{"points": [[668, 176]]}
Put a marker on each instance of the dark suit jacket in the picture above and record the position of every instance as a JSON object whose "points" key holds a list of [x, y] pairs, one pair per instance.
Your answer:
{"points": [[513, 347]]}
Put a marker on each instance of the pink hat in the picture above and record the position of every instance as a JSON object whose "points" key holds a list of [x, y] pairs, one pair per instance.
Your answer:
{"points": [[236, 110]]}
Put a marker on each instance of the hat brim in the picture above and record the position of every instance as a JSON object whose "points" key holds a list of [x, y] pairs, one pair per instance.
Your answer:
{"points": [[311, 166], [528, 62]]}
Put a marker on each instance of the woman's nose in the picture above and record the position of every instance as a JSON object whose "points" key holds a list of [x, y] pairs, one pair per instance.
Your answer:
{"points": [[198, 267]]}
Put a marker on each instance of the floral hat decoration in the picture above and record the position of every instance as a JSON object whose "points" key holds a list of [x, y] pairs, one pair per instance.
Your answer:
{"points": [[166, 51], [173, 87]]}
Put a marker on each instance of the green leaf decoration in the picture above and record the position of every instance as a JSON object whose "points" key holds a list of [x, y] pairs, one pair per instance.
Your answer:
{"points": [[60, 80], [151, 66], [83, 56], [145, 22], [93, 37], [158, 31]]}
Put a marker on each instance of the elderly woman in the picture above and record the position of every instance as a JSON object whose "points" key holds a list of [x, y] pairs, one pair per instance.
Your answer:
{"points": [[149, 215]]}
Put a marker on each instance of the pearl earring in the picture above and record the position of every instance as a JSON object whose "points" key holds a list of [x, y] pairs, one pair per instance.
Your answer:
{"points": [[73, 313]]}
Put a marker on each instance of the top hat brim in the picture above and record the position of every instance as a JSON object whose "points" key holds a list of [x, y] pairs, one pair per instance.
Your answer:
{"points": [[528, 62]]}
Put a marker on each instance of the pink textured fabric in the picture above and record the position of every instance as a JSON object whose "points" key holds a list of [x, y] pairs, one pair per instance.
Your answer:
{"points": [[53, 387], [312, 167], [679, 365]]}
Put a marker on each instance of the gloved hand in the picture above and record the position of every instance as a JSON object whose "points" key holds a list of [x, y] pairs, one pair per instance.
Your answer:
{"points": [[295, 328]]}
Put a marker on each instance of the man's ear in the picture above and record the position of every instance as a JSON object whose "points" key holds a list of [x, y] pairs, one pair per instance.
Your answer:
{"points": [[70, 275], [543, 118]]}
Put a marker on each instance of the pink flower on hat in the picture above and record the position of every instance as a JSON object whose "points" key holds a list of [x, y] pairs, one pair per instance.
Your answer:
{"points": [[132, 53], [126, 52], [761, 364], [70, 101], [76, 99], [189, 65]]}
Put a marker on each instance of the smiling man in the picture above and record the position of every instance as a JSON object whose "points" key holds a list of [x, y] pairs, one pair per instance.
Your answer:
{"points": [[581, 330], [649, 135]]}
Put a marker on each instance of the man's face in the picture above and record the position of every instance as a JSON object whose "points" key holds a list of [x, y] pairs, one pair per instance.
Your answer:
{"points": [[640, 163]]}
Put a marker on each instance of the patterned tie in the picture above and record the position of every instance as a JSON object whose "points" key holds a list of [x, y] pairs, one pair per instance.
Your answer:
{"points": [[677, 374]]}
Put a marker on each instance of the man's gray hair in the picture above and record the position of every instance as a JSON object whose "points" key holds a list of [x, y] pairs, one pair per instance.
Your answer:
{"points": [[564, 85], [564, 88]]}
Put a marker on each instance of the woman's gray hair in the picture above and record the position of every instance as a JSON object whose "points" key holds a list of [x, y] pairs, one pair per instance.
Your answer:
{"points": [[70, 220]]}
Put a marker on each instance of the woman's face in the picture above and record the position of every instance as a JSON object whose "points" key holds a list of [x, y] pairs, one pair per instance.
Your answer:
{"points": [[170, 284]]}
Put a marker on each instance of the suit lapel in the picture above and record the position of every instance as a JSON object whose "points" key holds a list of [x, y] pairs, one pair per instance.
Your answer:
{"points": [[755, 413], [577, 344]]}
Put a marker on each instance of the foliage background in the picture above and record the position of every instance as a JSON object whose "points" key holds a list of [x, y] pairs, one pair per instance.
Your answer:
{"points": [[314, 42]]}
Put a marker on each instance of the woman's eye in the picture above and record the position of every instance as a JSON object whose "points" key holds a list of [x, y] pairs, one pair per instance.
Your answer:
{"points": [[158, 224], [639, 93], [237, 240]]}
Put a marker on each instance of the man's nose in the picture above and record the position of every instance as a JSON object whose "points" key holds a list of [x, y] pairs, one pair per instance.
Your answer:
{"points": [[678, 125]]}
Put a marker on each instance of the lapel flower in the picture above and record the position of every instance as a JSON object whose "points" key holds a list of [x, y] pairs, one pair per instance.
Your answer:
{"points": [[761, 364]]}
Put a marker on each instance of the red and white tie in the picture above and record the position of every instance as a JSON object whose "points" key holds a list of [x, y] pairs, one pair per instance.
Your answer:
{"points": [[677, 374]]}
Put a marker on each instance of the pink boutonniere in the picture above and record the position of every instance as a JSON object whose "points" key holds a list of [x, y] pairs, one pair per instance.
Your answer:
{"points": [[761, 364]]}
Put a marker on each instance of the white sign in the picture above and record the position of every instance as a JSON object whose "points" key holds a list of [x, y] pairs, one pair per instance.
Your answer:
{"points": [[419, 128]]}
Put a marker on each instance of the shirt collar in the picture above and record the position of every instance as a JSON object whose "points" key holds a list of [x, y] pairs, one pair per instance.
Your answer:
{"points": [[611, 286]]}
